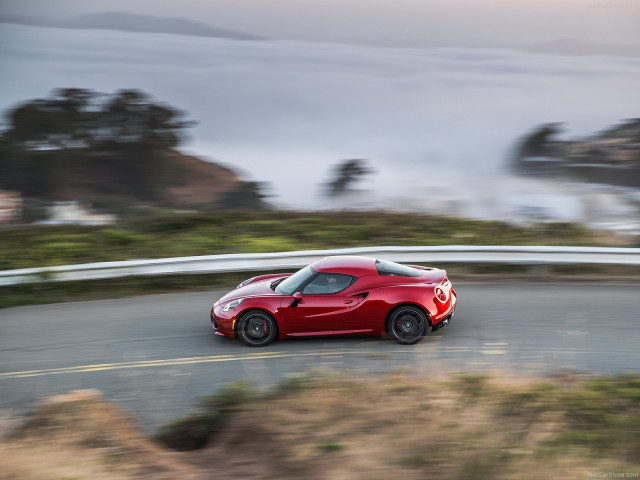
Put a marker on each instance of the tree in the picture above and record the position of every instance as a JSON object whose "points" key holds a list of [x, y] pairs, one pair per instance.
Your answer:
{"points": [[245, 196], [539, 142], [66, 120], [130, 117], [345, 174], [78, 137], [75, 118]]}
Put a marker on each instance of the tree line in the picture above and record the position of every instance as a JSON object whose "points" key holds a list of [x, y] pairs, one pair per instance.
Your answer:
{"points": [[91, 144]]}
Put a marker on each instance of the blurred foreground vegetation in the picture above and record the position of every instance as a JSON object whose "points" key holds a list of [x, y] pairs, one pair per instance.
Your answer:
{"points": [[459, 426], [274, 231]]}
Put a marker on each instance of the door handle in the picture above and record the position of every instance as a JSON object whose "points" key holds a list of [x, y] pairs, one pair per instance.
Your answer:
{"points": [[348, 301]]}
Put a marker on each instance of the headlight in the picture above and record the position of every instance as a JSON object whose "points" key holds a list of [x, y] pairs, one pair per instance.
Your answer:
{"points": [[247, 281], [233, 304]]}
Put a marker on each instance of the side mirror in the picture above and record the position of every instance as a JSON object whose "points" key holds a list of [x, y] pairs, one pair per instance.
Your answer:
{"points": [[297, 298]]}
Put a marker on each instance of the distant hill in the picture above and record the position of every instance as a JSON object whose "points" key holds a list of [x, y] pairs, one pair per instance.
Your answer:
{"points": [[130, 22]]}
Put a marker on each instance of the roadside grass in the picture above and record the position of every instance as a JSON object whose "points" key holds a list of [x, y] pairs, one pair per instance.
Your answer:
{"points": [[242, 232], [331, 447]]}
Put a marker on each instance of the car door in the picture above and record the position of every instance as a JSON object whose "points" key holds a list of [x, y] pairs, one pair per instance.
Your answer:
{"points": [[324, 308]]}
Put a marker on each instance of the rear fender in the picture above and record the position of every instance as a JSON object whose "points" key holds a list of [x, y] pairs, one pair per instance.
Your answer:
{"points": [[381, 301]]}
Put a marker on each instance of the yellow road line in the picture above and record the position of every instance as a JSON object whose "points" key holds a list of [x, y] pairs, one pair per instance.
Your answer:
{"points": [[170, 362], [117, 365]]}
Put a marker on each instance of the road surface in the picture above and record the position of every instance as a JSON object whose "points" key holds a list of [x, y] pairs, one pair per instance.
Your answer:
{"points": [[156, 355]]}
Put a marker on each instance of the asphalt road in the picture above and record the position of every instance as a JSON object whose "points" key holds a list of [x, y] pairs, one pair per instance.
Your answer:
{"points": [[156, 355]]}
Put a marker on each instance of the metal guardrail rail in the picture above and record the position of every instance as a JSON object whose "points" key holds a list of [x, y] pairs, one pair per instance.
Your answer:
{"points": [[532, 255]]}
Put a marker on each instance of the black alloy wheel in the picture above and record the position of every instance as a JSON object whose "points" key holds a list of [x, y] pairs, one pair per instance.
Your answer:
{"points": [[408, 325], [257, 328]]}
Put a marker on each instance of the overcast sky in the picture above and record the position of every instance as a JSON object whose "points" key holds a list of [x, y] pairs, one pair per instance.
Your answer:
{"points": [[384, 22]]}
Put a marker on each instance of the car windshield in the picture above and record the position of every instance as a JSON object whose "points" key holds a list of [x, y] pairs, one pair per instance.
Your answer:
{"points": [[289, 285], [391, 268]]}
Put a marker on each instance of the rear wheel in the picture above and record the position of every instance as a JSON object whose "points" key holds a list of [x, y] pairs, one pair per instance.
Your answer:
{"points": [[408, 324], [257, 328]]}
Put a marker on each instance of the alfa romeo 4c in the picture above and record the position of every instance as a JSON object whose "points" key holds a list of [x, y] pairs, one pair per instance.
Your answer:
{"points": [[336, 296]]}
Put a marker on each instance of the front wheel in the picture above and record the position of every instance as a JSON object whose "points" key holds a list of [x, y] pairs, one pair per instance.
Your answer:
{"points": [[257, 328], [408, 325]]}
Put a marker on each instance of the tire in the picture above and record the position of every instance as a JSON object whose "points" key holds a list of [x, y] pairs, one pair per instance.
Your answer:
{"points": [[407, 324], [257, 328]]}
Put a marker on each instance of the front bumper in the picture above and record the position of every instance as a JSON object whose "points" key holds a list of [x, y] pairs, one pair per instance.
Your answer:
{"points": [[222, 323]]}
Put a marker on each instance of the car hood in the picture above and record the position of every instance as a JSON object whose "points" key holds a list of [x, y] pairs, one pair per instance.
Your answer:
{"points": [[255, 289]]}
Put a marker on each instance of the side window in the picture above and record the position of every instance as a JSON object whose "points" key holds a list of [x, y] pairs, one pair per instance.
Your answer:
{"points": [[327, 283]]}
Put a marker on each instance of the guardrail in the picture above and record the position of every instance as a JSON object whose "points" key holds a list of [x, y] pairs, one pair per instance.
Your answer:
{"points": [[534, 255]]}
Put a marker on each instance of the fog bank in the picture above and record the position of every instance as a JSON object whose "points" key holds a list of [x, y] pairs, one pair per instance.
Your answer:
{"points": [[283, 112]]}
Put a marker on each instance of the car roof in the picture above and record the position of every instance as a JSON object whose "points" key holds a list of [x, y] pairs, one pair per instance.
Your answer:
{"points": [[346, 264]]}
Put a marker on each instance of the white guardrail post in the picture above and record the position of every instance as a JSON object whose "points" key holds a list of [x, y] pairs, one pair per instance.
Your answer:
{"points": [[534, 255]]}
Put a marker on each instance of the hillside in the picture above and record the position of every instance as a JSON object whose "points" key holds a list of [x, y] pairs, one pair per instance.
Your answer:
{"points": [[170, 179], [199, 182]]}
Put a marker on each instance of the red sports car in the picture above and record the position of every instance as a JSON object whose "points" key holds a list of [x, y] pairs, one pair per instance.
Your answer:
{"points": [[336, 296]]}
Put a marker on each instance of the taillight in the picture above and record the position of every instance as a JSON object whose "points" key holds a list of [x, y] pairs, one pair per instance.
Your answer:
{"points": [[441, 295]]}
